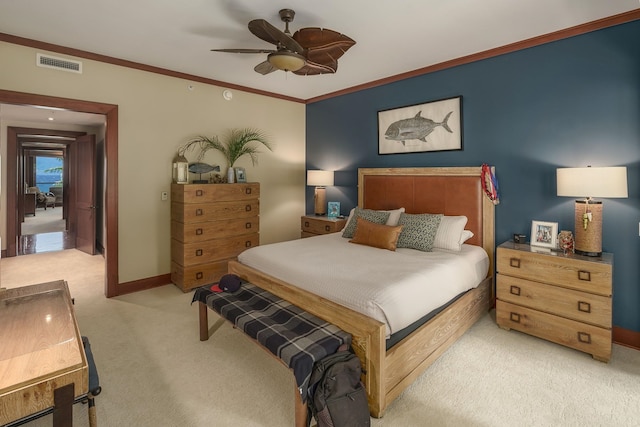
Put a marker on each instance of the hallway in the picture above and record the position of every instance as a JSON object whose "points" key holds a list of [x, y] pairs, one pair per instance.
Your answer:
{"points": [[44, 232]]}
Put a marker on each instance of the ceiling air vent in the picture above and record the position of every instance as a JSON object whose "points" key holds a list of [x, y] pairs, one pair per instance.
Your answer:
{"points": [[49, 61]]}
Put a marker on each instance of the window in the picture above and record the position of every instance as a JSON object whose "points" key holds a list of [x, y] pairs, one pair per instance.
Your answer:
{"points": [[48, 172]]}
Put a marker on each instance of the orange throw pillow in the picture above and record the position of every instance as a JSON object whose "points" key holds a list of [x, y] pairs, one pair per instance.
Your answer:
{"points": [[376, 235]]}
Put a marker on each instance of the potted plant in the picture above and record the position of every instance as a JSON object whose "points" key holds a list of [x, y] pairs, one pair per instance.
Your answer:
{"points": [[237, 143]]}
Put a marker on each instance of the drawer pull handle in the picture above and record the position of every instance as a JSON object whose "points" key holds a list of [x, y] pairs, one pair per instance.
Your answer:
{"points": [[247, 225], [584, 275], [247, 190], [247, 208], [514, 262], [199, 212], [515, 290], [198, 252], [199, 231], [583, 306], [199, 275], [247, 244], [306, 224], [327, 228], [584, 337], [199, 193], [515, 317]]}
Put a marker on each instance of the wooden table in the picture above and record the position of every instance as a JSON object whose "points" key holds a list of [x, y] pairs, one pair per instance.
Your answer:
{"points": [[42, 360]]}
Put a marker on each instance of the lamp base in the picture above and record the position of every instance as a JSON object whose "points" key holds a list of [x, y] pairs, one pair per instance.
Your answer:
{"points": [[583, 253], [588, 242], [320, 197]]}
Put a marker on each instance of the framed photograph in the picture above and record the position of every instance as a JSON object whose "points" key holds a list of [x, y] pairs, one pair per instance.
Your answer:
{"points": [[240, 175], [433, 126], [544, 234], [333, 209]]}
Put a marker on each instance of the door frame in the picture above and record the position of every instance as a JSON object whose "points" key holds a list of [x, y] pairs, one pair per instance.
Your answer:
{"points": [[111, 169]]}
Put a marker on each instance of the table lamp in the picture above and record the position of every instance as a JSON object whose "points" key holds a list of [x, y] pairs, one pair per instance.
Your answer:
{"points": [[590, 182], [320, 179]]}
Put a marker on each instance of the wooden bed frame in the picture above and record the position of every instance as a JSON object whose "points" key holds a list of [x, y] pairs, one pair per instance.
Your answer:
{"points": [[448, 190]]}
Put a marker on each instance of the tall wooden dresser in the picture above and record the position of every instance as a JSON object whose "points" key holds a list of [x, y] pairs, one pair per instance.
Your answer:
{"points": [[210, 225], [561, 298]]}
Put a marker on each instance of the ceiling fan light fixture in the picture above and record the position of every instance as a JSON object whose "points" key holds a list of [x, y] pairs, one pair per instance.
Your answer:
{"points": [[286, 61]]}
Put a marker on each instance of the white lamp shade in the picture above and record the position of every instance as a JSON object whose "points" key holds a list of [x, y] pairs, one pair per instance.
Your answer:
{"points": [[319, 178], [592, 182]]}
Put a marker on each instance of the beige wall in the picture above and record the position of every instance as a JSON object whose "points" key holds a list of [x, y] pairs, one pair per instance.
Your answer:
{"points": [[157, 114]]}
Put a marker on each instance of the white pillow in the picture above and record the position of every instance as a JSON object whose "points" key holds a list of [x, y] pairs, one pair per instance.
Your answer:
{"points": [[394, 216], [466, 235], [449, 235]]}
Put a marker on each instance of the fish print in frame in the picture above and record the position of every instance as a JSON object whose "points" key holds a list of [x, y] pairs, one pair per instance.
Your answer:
{"points": [[432, 126]]}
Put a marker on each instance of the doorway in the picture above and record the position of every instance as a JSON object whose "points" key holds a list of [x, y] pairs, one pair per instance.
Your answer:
{"points": [[109, 172], [44, 225]]}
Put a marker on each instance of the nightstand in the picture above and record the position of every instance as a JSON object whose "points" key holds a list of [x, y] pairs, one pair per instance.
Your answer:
{"points": [[313, 225], [561, 298]]}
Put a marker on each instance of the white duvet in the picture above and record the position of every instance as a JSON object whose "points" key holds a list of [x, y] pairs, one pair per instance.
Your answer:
{"points": [[396, 288]]}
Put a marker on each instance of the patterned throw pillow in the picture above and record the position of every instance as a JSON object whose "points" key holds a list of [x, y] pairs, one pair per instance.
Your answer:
{"points": [[379, 217], [419, 231]]}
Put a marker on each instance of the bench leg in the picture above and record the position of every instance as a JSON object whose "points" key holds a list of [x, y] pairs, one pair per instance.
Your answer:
{"points": [[204, 321], [301, 408]]}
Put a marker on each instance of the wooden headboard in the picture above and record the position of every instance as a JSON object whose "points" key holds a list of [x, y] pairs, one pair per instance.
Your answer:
{"points": [[445, 190]]}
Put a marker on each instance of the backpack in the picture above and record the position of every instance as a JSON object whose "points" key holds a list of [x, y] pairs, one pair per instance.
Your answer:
{"points": [[336, 397]]}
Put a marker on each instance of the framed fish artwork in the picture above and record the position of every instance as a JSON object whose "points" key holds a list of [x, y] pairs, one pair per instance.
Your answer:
{"points": [[432, 126]]}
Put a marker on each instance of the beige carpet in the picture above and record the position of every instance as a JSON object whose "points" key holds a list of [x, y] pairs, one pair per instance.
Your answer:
{"points": [[49, 221], [155, 372]]}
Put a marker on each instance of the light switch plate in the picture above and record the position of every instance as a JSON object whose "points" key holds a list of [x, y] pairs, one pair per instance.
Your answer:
{"points": [[164, 195]]}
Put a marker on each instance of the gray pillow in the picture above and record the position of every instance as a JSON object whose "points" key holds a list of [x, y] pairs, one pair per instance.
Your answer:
{"points": [[418, 231], [378, 217]]}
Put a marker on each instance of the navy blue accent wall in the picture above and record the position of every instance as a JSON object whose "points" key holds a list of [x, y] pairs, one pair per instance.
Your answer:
{"points": [[570, 103]]}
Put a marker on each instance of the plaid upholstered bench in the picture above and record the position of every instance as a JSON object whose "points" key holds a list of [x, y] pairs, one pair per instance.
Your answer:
{"points": [[298, 339]]}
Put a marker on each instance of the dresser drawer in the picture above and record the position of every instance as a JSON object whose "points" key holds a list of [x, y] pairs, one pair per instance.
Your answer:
{"points": [[213, 193], [588, 338], [589, 276], [321, 225], [202, 231], [187, 278], [211, 250], [201, 212], [576, 305]]}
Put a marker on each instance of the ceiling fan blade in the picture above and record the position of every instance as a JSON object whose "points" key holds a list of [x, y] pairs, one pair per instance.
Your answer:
{"points": [[313, 69], [267, 32], [244, 50], [323, 46], [264, 68]]}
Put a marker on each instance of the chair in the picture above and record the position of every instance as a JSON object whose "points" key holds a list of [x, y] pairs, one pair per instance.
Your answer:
{"points": [[43, 199]]}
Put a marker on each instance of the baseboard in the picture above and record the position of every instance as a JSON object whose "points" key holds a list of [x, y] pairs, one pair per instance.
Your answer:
{"points": [[143, 284], [626, 337]]}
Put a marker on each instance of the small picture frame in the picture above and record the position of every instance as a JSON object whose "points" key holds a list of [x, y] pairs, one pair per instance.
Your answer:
{"points": [[333, 209], [544, 234], [240, 175]]}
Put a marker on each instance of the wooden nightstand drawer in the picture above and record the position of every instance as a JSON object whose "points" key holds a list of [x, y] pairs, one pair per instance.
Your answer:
{"points": [[588, 338], [321, 225], [570, 272], [576, 305]]}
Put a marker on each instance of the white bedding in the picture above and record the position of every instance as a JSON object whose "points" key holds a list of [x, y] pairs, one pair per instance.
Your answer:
{"points": [[396, 288]]}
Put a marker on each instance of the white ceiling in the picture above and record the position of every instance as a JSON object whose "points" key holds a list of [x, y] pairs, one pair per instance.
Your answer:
{"points": [[391, 37]]}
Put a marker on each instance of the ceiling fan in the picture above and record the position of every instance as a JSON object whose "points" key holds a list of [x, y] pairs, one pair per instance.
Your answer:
{"points": [[310, 51]]}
